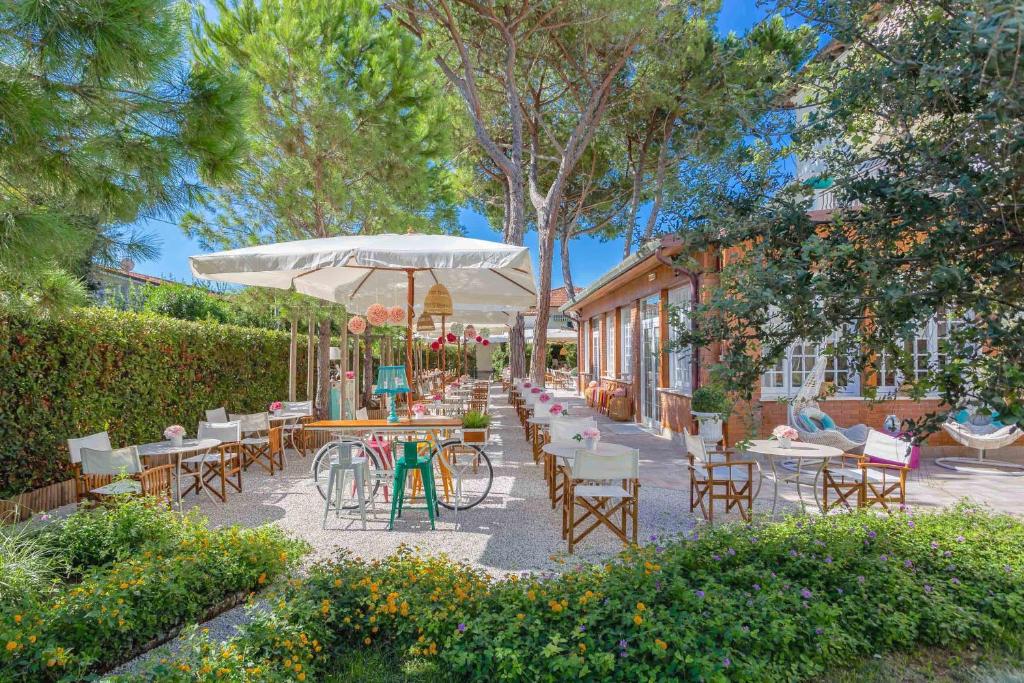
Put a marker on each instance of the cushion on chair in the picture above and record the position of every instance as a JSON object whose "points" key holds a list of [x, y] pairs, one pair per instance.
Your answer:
{"points": [[816, 420]]}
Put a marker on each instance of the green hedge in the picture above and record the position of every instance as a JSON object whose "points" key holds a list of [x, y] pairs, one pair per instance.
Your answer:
{"points": [[131, 374], [779, 602]]}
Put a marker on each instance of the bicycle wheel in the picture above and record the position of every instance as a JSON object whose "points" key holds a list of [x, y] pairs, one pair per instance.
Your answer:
{"points": [[320, 468], [470, 464]]}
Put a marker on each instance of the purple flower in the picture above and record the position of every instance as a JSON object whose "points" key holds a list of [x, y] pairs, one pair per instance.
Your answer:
{"points": [[699, 593], [1007, 568], [840, 591], [623, 644], [653, 538], [753, 539], [960, 539], [726, 662], [927, 588], [757, 586], [828, 559], [884, 558], [716, 557], [806, 593], [819, 631], [657, 585], [955, 581], [623, 653], [910, 523], [792, 553], [659, 549], [948, 553], [872, 534], [583, 628], [935, 545], [730, 551], [908, 564], [860, 579], [462, 628]]}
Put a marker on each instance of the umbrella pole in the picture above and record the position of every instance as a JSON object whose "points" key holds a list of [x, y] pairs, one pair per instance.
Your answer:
{"points": [[408, 339], [444, 353]]}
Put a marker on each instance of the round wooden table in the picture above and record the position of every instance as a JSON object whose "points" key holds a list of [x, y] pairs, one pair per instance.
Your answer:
{"points": [[805, 455]]}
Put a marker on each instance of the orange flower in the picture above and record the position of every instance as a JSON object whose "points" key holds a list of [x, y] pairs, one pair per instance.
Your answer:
{"points": [[661, 643], [11, 646], [637, 619]]}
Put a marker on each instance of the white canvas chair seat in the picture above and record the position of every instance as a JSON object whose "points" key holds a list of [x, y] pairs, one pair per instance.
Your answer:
{"points": [[217, 465], [254, 440], [856, 480], [118, 487], [723, 472], [856, 473], [217, 415], [720, 477], [602, 491]]}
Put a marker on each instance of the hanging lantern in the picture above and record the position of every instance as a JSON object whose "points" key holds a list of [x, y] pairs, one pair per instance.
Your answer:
{"points": [[438, 301], [425, 323], [396, 315], [452, 338], [435, 346], [485, 332], [356, 324], [377, 314], [470, 331]]}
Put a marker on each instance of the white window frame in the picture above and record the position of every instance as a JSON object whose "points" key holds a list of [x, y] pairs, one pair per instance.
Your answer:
{"points": [[926, 350], [789, 374], [626, 343], [595, 348], [610, 347], [680, 363]]}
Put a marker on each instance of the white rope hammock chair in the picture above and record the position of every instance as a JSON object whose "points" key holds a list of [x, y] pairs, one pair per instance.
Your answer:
{"points": [[981, 438], [848, 439]]}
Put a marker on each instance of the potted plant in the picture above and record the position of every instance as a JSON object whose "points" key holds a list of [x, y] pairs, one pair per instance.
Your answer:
{"points": [[710, 407], [474, 427], [276, 408]]}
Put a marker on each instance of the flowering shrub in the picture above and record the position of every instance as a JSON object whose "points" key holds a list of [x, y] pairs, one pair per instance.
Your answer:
{"points": [[778, 602], [78, 628]]}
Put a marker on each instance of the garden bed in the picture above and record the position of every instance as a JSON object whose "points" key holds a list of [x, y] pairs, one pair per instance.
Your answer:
{"points": [[104, 585], [785, 601]]}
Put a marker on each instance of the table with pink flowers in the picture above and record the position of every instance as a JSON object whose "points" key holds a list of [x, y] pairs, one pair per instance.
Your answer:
{"points": [[808, 458]]}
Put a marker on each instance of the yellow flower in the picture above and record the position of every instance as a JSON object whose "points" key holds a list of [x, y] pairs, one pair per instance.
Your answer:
{"points": [[367, 641], [17, 618], [637, 619], [661, 643], [640, 607], [583, 647], [262, 579], [520, 616], [301, 676], [11, 645]]}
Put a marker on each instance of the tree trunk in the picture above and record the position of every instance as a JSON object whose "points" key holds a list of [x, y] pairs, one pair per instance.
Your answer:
{"points": [[323, 368], [310, 359], [515, 226], [545, 238], [634, 199], [659, 182], [293, 353], [566, 269]]}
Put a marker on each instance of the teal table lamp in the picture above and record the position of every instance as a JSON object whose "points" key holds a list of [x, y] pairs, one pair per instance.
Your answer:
{"points": [[391, 381]]}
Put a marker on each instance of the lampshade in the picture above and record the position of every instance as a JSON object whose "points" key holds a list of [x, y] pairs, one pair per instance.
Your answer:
{"points": [[425, 323], [438, 301], [391, 380]]}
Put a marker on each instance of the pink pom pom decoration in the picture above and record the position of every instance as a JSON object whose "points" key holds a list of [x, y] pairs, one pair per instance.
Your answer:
{"points": [[452, 338], [377, 314], [544, 398], [396, 315], [356, 325], [535, 390], [436, 346], [479, 338], [486, 342]]}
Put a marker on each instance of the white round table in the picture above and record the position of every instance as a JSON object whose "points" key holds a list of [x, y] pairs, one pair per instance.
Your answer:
{"points": [[187, 447], [803, 454]]}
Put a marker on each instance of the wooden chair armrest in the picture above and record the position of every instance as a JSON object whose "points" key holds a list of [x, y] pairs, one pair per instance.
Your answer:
{"points": [[883, 465], [733, 462], [845, 460]]}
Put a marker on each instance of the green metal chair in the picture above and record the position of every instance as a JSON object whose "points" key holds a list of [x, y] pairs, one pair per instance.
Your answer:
{"points": [[411, 461]]}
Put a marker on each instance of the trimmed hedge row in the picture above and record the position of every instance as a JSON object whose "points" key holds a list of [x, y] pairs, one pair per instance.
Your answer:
{"points": [[779, 602], [128, 373]]}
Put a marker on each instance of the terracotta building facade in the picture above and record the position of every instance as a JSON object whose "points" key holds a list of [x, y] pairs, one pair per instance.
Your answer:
{"points": [[625, 322]]}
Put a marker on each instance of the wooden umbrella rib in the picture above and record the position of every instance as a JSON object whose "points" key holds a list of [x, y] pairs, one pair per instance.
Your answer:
{"points": [[361, 283], [499, 274]]}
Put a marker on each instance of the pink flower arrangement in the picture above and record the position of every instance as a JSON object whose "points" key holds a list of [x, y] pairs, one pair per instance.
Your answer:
{"points": [[174, 432], [350, 374], [436, 397], [396, 315], [535, 390], [479, 338], [377, 314], [419, 409], [544, 398], [591, 433], [527, 385], [785, 432], [557, 409], [276, 405], [452, 338], [356, 324]]}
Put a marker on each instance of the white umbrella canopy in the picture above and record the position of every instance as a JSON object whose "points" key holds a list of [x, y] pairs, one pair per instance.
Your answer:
{"points": [[361, 270]]}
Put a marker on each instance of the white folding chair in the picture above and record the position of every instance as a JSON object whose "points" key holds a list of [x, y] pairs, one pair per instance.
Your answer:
{"points": [[222, 462], [718, 476], [602, 486], [217, 415], [100, 467], [255, 440], [99, 441]]}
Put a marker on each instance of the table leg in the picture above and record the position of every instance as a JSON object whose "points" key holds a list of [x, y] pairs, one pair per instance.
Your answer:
{"points": [[799, 485], [177, 480], [775, 480]]}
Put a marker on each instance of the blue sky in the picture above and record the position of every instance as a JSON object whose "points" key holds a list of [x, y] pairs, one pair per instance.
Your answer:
{"points": [[590, 257]]}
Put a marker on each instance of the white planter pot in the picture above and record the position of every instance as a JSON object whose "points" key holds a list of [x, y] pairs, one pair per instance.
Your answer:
{"points": [[785, 442], [177, 440], [591, 444], [710, 427]]}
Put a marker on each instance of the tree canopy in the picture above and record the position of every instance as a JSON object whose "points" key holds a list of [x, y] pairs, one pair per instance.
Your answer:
{"points": [[917, 133]]}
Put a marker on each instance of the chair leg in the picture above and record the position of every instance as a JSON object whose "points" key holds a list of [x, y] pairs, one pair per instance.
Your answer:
{"points": [[357, 474], [327, 498]]}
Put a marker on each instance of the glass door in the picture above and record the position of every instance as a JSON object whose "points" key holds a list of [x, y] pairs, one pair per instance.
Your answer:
{"points": [[650, 355]]}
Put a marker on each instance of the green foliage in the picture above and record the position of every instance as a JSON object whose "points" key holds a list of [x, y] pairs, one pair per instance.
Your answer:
{"points": [[114, 533], [779, 602], [347, 125], [103, 122], [75, 629], [474, 419], [129, 374], [28, 565], [929, 112], [185, 302], [711, 398]]}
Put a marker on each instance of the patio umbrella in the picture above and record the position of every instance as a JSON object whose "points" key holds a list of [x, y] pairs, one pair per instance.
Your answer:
{"points": [[360, 270]]}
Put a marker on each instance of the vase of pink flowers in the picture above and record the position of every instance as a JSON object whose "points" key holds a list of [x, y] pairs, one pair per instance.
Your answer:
{"points": [[785, 435], [589, 437], [544, 397], [276, 407], [418, 410], [175, 434], [557, 410]]}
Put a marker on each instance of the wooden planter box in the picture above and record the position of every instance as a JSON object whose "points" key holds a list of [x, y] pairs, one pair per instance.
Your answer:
{"points": [[475, 437]]}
